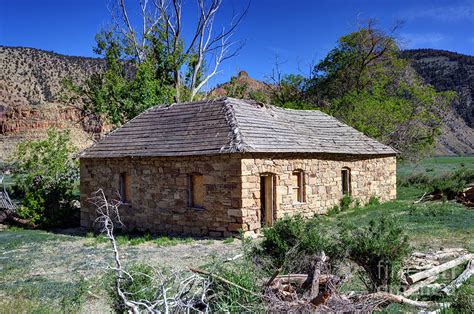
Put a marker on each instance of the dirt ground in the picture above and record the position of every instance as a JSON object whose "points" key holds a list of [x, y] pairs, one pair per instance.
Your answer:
{"points": [[44, 267]]}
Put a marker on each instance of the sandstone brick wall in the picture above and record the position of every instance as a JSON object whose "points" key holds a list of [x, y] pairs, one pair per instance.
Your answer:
{"points": [[159, 189], [322, 180]]}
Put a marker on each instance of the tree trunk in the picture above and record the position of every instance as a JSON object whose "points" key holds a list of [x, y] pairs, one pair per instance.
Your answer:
{"points": [[456, 283], [438, 269]]}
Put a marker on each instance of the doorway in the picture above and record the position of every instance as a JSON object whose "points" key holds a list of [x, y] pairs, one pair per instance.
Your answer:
{"points": [[267, 199]]}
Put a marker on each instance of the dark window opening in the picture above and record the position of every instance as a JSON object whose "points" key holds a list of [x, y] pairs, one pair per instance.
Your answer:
{"points": [[346, 181]]}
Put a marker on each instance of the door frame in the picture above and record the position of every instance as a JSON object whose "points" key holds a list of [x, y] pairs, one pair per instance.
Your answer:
{"points": [[267, 198]]}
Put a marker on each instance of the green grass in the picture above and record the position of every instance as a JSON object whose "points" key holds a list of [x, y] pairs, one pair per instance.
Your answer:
{"points": [[435, 166], [429, 225], [228, 240], [169, 241], [124, 240], [17, 237]]}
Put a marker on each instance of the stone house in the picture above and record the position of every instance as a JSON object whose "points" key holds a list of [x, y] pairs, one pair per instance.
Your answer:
{"points": [[217, 167]]}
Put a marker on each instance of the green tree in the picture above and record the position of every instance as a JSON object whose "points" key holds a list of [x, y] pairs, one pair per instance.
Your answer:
{"points": [[46, 179], [150, 62], [126, 88], [290, 92], [363, 82]]}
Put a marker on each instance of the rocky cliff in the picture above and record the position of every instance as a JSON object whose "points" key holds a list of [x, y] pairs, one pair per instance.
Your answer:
{"points": [[30, 96]]}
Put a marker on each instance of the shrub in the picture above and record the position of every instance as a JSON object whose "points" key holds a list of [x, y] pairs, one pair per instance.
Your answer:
{"points": [[345, 202], [373, 201], [415, 179], [357, 204], [283, 235], [46, 179], [292, 243], [452, 183], [463, 300], [448, 184], [379, 249], [225, 298], [334, 210]]}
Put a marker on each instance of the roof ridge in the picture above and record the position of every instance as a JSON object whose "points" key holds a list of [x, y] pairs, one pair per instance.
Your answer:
{"points": [[237, 143]]}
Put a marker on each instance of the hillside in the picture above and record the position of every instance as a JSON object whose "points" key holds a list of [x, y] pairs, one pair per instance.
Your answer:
{"points": [[30, 95], [31, 89], [447, 70]]}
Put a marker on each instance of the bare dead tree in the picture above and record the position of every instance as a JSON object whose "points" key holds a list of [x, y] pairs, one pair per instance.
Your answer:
{"points": [[203, 54], [136, 39], [177, 292]]}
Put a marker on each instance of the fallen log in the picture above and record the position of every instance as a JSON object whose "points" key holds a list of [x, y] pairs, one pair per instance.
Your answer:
{"points": [[418, 286], [456, 283], [421, 267], [316, 274], [299, 279], [435, 286], [435, 256], [438, 269], [10, 217], [393, 298]]}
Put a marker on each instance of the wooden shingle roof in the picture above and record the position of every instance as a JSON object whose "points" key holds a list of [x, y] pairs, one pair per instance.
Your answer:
{"points": [[232, 126]]}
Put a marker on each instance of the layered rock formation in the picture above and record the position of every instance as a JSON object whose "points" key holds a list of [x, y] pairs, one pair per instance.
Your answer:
{"points": [[31, 90]]}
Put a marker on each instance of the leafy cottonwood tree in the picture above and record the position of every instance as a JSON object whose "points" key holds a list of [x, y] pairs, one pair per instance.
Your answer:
{"points": [[363, 82], [46, 177]]}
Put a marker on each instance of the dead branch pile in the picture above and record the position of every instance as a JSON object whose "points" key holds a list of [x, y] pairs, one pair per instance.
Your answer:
{"points": [[466, 197], [319, 291], [177, 292], [423, 269]]}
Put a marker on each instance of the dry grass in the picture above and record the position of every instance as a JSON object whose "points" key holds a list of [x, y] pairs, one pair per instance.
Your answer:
{"points": [[63, 272]]}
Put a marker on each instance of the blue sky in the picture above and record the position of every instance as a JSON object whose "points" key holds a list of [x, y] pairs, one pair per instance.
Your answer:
{"points": [[299, 32]]}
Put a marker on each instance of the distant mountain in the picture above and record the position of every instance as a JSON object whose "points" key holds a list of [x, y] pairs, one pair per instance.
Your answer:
{"points": [[31, 89], [30, 95], [447, 70], [240, 86]]}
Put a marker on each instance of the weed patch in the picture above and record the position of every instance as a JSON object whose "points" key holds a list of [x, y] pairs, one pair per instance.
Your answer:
{"points": [[228, 240], [169, 241]]}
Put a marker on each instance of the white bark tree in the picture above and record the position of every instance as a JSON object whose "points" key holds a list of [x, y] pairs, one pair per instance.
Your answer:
{"points": [[200, 56]]}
